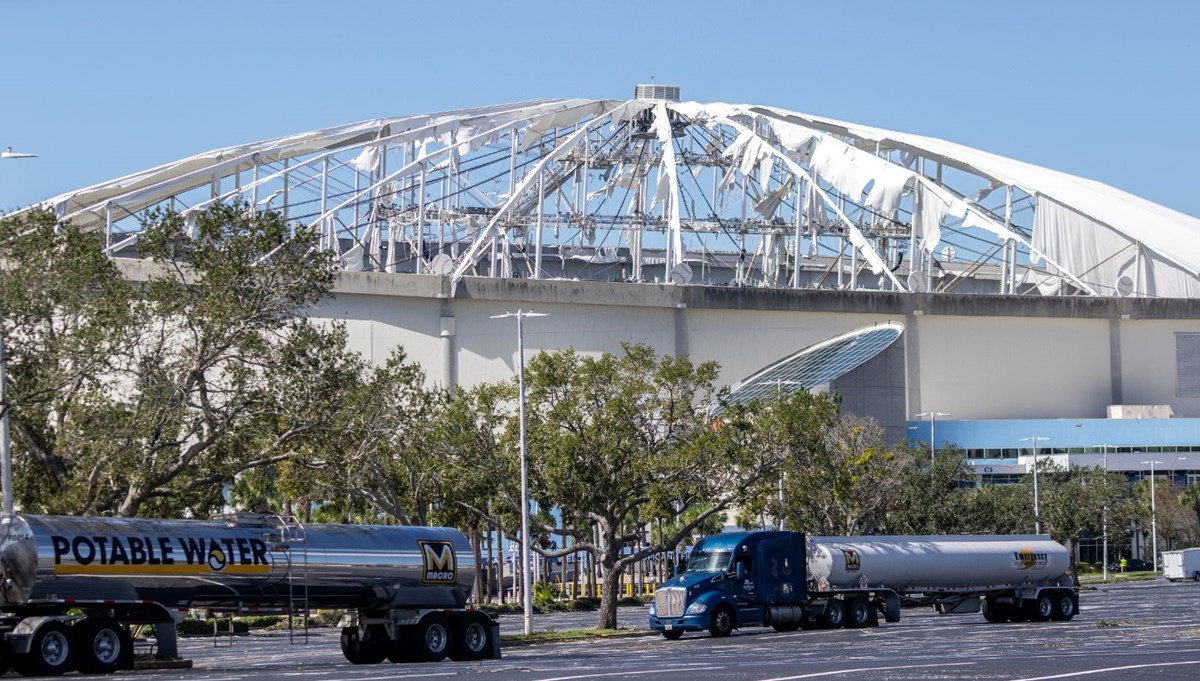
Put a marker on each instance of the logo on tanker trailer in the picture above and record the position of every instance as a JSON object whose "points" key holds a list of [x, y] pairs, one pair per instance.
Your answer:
{"points": [[438, 562]]}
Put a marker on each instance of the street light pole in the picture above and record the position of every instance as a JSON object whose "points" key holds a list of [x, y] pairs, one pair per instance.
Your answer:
{"points": [[6, 483], [526, 577], [1037, 516], [779, 382], [1153, 515], [932, 439], [1104, 514]]}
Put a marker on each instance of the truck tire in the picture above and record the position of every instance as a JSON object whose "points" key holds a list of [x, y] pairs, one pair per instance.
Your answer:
{"points": [[472, 637], [433, 638], [1065, 606], [993, 611], [1040, 609], [835, 614], [858, 614], [1196, 576], [891, 608], [722, 622], [402, 649], [357, 651], [51, 651], [102, 645]]}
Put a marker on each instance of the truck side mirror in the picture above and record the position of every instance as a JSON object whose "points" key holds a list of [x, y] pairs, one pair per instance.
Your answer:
{"points": [[740, 568]]}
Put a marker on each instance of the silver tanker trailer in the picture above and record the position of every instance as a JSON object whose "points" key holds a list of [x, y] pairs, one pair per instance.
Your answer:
{"points": [[783, 580], [405, 588]]}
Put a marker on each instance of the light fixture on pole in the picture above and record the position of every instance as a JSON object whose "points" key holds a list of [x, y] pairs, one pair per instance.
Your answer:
{"points": [[6, 484], [1037, 516], [9, 153], [932, 440], [526, 577], [1153, 514]]}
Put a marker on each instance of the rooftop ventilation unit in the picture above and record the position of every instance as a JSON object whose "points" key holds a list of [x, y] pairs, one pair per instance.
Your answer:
{"points": [[668, 93]]}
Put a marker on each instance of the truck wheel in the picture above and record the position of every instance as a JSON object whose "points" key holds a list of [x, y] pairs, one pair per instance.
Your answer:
{"points": [[722, 622], [433, 638], [471, 637], [1065, 606], [891, 608], [1040, 609], [993, 611], [835, 614], [673, 635], [51, 651], [858, 615], [102, 645], [1196, 576], [358, 651], [401, 650]]}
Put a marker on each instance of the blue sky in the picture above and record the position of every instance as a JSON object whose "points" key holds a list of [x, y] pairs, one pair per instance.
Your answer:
{"points": [[1107, 90]]}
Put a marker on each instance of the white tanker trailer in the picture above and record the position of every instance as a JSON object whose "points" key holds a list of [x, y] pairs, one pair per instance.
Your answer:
{"points": [[405, 588], [783, 580]]}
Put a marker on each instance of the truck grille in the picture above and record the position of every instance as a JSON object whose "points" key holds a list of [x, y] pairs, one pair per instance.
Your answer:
{"points": [[669, 601]]}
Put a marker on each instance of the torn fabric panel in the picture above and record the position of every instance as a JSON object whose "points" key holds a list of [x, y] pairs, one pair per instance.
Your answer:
{"points": [[765, 165], [888, 189], [927, 221], [367, 161], [791, 136], [842, 167], [1086, 248], [769, 204], [662, 124]]}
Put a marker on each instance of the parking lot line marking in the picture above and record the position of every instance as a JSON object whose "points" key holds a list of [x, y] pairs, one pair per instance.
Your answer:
{"points": [[866, 669], [631, 673], [1088, 672]]}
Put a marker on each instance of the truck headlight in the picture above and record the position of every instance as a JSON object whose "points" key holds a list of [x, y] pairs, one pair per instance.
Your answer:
{"points": [[697, 608], [653, 609]]}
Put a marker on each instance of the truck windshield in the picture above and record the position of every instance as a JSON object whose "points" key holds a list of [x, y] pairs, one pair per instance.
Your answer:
{"points": [[708, 561]]}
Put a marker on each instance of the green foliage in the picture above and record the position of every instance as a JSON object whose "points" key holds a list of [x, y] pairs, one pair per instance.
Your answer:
{"points": [[175, 370], [617, 440], [543, 595]]}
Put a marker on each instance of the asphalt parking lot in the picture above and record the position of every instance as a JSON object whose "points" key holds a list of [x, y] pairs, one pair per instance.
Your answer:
{"points": [[1132, 631]]}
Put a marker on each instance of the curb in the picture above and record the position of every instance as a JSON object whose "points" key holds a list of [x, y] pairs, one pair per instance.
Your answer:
{"points": [[575, 639]]}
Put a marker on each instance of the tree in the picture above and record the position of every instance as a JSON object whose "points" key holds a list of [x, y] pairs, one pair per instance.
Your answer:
{"points": [[1076, 501], [1176, 521], [145, 398], [381, 446], [845, 481], [617, 441], [65, 314], [999, 509], [934, 497]]}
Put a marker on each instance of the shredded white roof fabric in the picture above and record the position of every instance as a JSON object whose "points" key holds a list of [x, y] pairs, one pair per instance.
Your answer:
{"points": [[787, 194]]}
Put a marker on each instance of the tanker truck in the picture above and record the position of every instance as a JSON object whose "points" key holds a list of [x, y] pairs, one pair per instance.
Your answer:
{"points": [[405, 589], [788, 582]]}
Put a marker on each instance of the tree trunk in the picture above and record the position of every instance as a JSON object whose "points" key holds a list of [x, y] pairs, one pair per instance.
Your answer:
{"points": [[478, 555], [610, 595], [491, 567], [500, 565]]}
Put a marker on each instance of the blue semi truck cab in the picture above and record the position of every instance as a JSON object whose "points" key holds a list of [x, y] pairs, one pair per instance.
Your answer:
{"points": [[740, 579]]}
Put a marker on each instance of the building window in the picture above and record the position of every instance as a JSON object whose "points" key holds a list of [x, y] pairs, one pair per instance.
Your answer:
{"points": [[1187, 364]]}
